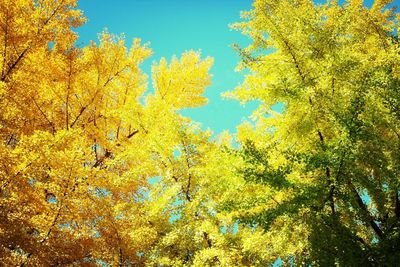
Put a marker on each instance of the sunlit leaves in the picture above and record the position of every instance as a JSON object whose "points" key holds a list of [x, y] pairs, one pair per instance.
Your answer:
{"points": [[332, 66], [77, 143], [182, 82]]}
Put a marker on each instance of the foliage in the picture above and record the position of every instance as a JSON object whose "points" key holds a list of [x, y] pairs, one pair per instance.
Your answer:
{"points": [[80, 139], [97, 170], [332, 155]]}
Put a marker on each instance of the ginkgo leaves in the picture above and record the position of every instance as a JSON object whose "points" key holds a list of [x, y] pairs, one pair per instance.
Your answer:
{"points": [[333, 66], [27, 26], [96, 169], [182, 82], [80, 136]]}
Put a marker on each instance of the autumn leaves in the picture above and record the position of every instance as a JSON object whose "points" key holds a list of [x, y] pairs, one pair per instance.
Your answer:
{"points": [[96, 170]]}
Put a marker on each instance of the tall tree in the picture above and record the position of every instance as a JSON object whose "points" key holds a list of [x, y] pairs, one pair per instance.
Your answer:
{"points": [[95, 170], [331, 158], [79, 139]]}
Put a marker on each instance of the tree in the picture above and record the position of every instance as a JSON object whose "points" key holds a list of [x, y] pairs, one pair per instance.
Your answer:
{"points": [[79, 140], [97, 171], [330, 159]]}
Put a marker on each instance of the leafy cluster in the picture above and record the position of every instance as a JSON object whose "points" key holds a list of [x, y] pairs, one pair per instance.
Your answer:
{"points": [[95, 170]]}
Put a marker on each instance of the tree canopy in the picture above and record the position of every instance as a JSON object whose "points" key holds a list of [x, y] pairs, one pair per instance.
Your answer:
{"points": [[98, 170]]}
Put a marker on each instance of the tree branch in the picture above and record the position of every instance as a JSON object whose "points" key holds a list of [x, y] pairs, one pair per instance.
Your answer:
{"points": [[397, 204], [364, 208], [328, 176], [10, 69], [132, 134]]}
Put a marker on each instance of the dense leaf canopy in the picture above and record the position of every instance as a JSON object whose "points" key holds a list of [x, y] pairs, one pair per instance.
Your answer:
{"points": [[97, 170]]}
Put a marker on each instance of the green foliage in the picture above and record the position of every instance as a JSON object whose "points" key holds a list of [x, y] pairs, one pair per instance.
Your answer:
{"points": [[331, 161], [94, 172]]}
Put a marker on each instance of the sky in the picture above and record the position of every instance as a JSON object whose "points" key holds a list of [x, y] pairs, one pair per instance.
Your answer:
{"points": [[173, 27]]}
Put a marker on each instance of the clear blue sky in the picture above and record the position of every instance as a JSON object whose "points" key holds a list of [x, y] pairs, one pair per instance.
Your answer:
{"points": [[175, 26]]}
